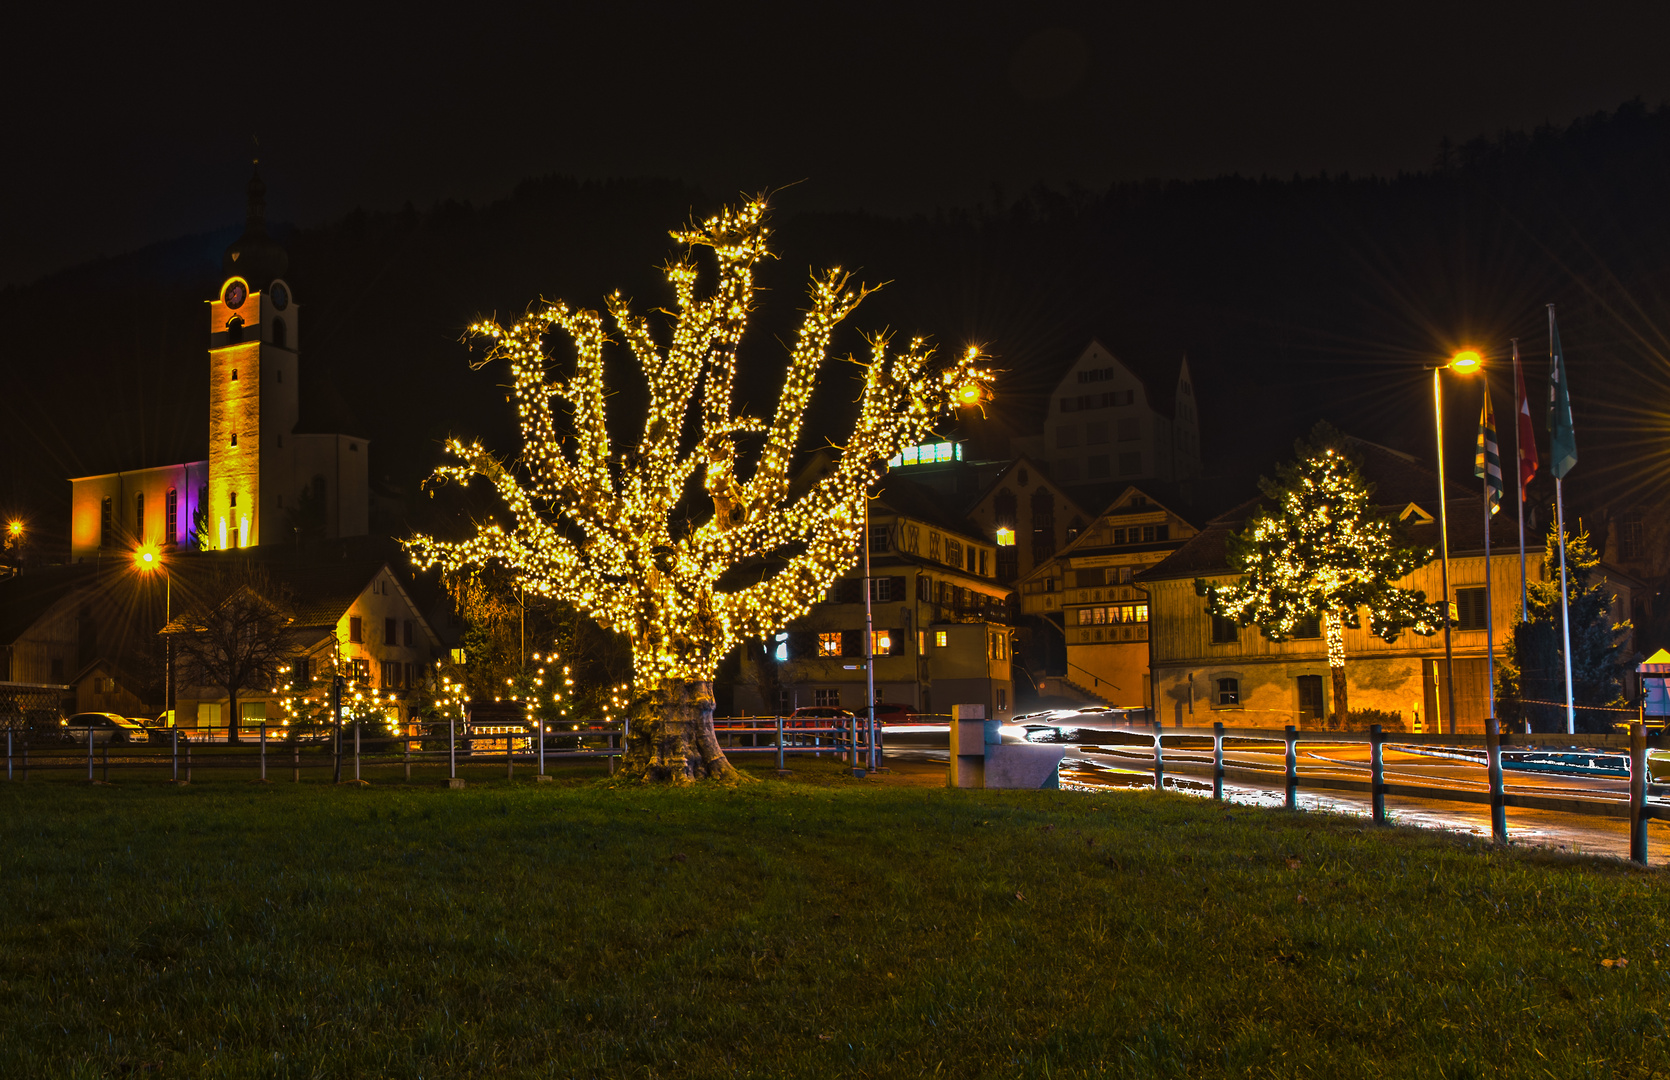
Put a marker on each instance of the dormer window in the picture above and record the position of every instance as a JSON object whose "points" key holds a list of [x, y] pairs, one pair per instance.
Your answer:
{"points": [[234, 374]]}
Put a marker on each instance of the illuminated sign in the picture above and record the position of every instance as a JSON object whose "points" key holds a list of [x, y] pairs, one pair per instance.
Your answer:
{"points": [[927, 454]]}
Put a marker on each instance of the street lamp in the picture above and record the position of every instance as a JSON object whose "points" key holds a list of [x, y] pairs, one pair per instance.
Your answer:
{"points": [[147, 560], [1465, 362]]}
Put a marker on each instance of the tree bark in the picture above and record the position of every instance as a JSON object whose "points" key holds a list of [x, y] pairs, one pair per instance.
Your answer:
{"points": [[232, 718], [672, 739], [1333, 630]]}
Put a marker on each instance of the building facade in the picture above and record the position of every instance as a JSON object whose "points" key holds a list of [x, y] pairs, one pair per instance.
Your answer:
{"points": [[1087, 593], [1027, 516]]}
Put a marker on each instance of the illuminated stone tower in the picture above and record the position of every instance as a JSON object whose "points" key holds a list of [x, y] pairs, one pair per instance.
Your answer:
{"points": [[252, 388]]}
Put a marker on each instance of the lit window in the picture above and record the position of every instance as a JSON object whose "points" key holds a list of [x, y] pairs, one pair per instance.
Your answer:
{"points": [[881, 642], [942, 638], [829, 644]]}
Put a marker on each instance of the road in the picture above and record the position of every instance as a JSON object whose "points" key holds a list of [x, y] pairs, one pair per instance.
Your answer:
{"points": [[1098, 765]]}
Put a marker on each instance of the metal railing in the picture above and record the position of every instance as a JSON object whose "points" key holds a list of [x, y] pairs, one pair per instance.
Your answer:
{"points": [[1635, 808]]}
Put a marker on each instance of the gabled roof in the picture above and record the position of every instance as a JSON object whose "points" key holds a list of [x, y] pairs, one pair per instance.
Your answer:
{"points": [[1039, 475], [1158, 380], [1080, 545], [27, 596]]}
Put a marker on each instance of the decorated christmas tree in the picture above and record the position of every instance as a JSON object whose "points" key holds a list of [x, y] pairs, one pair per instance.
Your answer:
{"points": [[603, 520], [1319, 550]]}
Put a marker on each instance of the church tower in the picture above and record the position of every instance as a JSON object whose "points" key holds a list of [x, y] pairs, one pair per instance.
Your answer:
{"points": [[253, 404]]}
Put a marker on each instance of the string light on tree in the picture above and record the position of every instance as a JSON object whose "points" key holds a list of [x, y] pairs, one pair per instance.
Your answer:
{"points": [[597, 526]]}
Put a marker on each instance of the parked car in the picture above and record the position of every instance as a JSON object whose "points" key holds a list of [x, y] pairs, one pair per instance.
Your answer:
{"points": [[103, 728], [892, 714]]}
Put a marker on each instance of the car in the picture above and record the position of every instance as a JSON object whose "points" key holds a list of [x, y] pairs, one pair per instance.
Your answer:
{"points": [[106, 728]]}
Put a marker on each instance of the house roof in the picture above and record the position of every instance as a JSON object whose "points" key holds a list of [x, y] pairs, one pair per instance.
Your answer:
{"points": [[26, 596], [1158, 377]]}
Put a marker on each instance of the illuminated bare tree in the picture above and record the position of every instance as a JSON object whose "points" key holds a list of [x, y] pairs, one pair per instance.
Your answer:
{"points": [[608, 531]]}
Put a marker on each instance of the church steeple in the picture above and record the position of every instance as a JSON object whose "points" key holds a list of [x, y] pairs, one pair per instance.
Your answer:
{"points": [[254, 256]]}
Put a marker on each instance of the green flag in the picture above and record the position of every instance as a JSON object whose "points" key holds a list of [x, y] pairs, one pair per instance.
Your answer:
{"points": [[1562, 451]]}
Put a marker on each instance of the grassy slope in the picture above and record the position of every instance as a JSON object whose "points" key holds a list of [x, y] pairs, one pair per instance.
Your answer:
{"points": [[817, 928]]}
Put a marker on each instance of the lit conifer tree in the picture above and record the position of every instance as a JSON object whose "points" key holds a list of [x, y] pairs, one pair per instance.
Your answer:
{"points": [[1321, 551], [600, 524]]}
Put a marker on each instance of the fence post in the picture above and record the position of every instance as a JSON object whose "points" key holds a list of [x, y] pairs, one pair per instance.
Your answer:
{"points": [[1638, 793], [8, 755], [356, 748], [541, 724], [89, 753], [1159, 757], [188, 761], [106, 756], [1493, 762], [1218, 760], [407, 742], [176, 754], [296, 762], [26, 760], [1377, 772], [263, 751], [1292, 737], [780, 767]]}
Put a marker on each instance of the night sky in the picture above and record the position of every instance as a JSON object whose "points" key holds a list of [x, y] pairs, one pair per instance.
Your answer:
{"points": [[136, 125]]}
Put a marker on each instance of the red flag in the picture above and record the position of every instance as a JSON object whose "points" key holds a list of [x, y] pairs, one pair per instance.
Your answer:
{"points": [[1526, 443]]}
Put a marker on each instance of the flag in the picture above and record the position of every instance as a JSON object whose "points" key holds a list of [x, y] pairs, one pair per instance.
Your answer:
{"points": [[1527, 433], [1487, 462], [1562, 439]]}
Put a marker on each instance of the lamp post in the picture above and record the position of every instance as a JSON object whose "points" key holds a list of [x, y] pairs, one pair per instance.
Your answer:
{"points": [[1464, 362], [149, 560]]}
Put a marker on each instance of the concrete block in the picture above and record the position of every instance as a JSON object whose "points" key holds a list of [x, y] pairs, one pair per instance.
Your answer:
{"points": [[456, 784], [542, 778], [1024, 765]]}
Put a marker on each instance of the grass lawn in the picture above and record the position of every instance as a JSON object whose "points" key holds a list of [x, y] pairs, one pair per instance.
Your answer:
{"points": [[816, 927]]}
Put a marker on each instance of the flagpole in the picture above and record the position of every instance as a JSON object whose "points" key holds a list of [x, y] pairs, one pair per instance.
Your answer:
{"points": [[1492, 729], [1560, 523], [1519, 480]]}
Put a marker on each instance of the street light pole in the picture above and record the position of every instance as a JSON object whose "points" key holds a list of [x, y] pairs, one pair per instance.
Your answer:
{"points": [[1464, 362], [1444, 547]]}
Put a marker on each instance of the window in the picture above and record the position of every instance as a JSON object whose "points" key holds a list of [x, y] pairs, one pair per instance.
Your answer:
{"points": [[1002, 699], [933, 546], [1089, 579], [1096, 433], [878, 537], [1000, 646], [234, 374], [953, 552], [925, 589], [783, 702], [1631, 540], [829, 644], [355, 633], [139, 516], [1130, 464], [301, 674], [780, 649], [828, 699], [982, 568], [279, 335], [1309, 628], [1470, 611], [1224, 631], [391, 675], [941, 639], [234, 498], [390, 635], [1229, 691], [921, 643], [105, 510], [1067, 470], [407, 633], [172, 507], [1130, 429], [881, 642]]}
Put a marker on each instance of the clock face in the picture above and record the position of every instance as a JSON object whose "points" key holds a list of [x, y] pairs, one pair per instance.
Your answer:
{"points": [[279, 294], [236, 293]]}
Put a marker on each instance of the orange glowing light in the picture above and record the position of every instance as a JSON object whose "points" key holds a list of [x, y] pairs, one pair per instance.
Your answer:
{"points": [[14, 528], [970, 394], [147, 558], [1466, 361]]}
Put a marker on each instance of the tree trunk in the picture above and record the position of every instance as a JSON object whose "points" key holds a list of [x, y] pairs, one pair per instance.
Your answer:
{"points": [[672, 738], [1334, 631], [232, 719]]}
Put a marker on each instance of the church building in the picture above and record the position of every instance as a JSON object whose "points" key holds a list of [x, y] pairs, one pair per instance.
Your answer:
{"points": [[264, 481]]}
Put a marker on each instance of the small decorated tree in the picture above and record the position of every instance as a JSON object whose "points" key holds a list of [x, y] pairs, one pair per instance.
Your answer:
{"points": [[1320, 550], [1531, 676], [604, 522]]}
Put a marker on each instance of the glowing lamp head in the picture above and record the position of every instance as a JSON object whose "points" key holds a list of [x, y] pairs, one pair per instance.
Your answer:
{"points": [[14, 528], [970, 394], [1466, 361], [147, 558]]}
